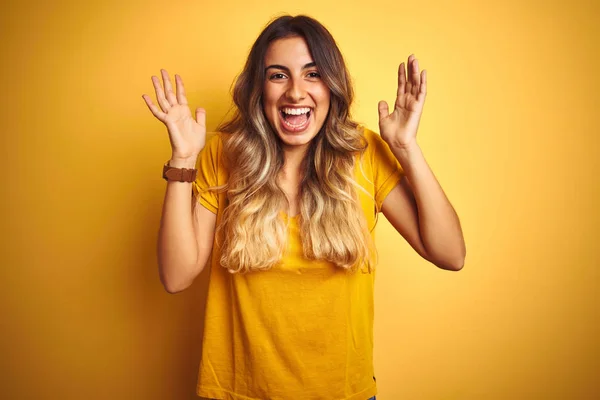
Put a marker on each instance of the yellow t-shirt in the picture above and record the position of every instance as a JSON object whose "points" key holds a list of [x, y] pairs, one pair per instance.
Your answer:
{"points": [[301, 330]]}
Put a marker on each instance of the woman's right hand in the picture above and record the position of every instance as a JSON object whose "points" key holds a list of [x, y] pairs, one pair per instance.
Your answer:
{"points": [[187, 136]]}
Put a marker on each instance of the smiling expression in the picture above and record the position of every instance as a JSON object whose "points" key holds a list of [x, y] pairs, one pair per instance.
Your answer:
{"points": [[295, 99]]}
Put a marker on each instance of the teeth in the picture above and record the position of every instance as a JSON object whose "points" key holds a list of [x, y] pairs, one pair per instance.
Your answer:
{"points": [[295, 111]]}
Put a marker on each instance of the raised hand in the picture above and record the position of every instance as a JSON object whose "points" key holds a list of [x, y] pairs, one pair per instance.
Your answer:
{"points": [[187, 136], [399, 128]]}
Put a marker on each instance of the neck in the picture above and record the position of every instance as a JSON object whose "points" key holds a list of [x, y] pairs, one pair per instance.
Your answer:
{"points": [[293, 157]]}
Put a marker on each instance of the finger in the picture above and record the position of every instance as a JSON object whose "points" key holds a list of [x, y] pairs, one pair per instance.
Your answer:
{"points": [[423, 87], [201, 117], [401, 80], [160, 95], [416, 82], [409, 67], [170, 94], [181, 99], [154, 109], [383, 109]]}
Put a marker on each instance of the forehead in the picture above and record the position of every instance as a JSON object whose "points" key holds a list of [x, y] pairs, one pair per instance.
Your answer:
{"points": [[290, 52]]}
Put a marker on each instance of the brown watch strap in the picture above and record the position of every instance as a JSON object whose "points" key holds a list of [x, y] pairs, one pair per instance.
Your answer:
{"points": [[179, 174]]}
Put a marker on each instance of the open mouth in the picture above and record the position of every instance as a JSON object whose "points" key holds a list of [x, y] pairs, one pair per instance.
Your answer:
{"points": [[295, 119]]}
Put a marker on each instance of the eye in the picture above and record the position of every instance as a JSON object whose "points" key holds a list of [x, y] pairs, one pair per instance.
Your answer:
{"points": [[277, 75], [314, 74]]}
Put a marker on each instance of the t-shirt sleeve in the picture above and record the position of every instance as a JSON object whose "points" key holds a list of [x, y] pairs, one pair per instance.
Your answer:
{"points": [[208, 173], [387, 171]]}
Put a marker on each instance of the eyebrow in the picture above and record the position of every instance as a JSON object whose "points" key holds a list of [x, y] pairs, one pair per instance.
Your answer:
{"points": [[277, 66]]}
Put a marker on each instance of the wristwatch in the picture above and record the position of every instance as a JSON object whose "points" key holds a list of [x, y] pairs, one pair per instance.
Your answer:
{"points": [[179, 174]]}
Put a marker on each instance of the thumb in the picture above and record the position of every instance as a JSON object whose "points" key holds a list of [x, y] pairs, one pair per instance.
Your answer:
{"points": [[383, 110], [201, 116]]}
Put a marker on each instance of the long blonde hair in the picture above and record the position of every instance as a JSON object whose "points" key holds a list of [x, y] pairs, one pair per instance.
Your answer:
{"points": [[332, 224]]}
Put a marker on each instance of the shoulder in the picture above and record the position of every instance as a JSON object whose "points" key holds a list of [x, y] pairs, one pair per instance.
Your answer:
{"points": [[367, 133], [375, 144], [213, 146], [210, 157], [373, 139], [214, 140]]}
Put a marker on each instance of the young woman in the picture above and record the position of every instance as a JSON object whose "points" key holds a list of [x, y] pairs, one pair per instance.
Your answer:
{"points": [[285, 198]]}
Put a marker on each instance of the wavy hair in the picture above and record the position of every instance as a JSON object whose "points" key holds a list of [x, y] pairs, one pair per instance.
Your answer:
{"points": [[331, 221]]}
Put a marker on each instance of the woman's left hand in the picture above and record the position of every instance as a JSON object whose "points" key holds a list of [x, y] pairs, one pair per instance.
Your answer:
{"points": [[399, 129]]}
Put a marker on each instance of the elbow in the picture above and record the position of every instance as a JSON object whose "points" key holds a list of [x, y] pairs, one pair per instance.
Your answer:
{"points": [[176, 276], [456, 260], [172, 289], [447, 254], [173, 286], [455, 263]]}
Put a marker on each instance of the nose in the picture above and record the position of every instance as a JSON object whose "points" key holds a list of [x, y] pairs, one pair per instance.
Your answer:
{"points": [[296, 90]]}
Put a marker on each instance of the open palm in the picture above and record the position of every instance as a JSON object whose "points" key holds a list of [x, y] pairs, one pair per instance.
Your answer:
{"points": [[187, 136], [399, 128]]}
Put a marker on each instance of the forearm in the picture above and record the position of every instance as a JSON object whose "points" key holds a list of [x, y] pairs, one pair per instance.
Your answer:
{"points": [[177, 245], [439, 225]]}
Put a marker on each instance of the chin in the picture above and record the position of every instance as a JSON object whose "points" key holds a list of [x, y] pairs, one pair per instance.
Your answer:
{"points": [[295, 139]]}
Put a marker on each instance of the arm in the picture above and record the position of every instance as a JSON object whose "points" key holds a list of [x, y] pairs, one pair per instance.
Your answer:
{"points": [[420, 211], [418, 207], [186, 229], [185, 236]]}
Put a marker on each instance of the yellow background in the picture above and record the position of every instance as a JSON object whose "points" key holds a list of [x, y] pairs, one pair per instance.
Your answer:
{"points": [[510, 129]]}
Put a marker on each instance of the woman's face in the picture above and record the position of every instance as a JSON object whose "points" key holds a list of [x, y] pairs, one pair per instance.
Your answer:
{"points": [[295, 99]]}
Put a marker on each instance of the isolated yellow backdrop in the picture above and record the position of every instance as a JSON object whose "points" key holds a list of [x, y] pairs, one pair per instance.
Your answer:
{"points": [[510, 129]]}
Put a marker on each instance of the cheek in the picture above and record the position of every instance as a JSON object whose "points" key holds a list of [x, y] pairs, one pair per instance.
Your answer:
{"points": [[325, 102], [325, 95], [269, 101], [270, 110]]}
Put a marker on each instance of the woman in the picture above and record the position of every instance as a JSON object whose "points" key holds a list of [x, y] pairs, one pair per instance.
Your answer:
{"points": [[285, 196]]}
